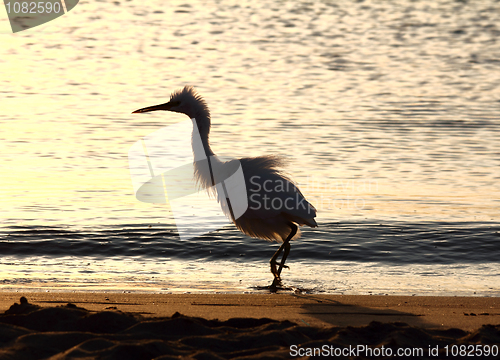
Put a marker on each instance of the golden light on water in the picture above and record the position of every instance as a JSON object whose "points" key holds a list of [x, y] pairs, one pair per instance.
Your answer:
{"points": [[347, 99]]}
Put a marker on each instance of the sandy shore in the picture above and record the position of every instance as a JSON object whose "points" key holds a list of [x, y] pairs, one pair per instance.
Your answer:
{"points": [[466, 313], [205, 326]]}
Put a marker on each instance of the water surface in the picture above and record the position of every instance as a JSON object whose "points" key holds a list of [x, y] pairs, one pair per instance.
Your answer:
{"points": [[388, 112]]}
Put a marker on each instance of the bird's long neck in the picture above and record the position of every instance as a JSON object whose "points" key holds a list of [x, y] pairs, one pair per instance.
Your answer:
{"points": [[207, 166], [204, 157], [199, 139]]}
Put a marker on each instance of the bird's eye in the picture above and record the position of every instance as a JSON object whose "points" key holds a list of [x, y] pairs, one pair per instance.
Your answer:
{"points": [[175, 103]]}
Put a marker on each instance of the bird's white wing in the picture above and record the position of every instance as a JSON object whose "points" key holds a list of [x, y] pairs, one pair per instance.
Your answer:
{"points": [[271, 193]]}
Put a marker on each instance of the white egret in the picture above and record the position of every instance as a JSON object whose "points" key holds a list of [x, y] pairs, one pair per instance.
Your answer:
{"points": [[276, 206]]}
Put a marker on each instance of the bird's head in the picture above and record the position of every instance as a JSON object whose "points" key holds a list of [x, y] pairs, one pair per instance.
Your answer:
{"points": [[185, 101]]}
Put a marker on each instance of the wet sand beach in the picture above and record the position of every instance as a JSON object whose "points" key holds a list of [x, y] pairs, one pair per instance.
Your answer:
{"points": [[131, 325]]}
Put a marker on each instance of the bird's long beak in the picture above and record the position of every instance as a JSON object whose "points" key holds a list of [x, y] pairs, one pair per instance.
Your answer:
{"points": [[166, 106]]}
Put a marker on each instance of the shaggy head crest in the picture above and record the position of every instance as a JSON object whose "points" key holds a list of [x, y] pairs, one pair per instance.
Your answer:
{"points": [[190, 101]]}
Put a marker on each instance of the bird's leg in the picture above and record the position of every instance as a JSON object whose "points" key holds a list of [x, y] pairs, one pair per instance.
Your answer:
{"points": [[283, 259], [286, 246], [273, 262]]}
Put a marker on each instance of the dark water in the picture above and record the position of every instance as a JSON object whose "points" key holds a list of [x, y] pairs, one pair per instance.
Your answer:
{"points": [[401, 243], [439, 258]]}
